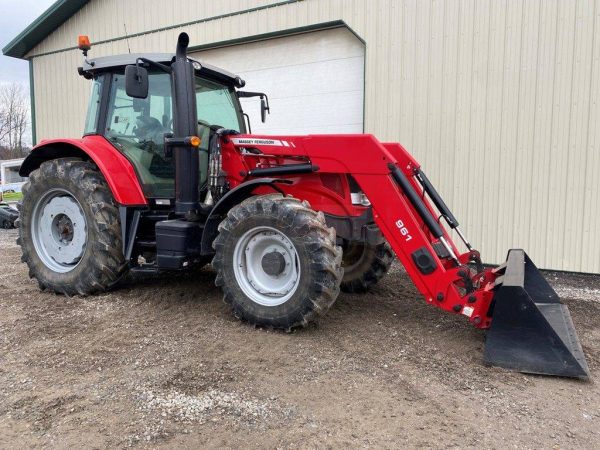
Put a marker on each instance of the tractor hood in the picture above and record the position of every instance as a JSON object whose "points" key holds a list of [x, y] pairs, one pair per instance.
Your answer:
{"points": [[100, 64]]}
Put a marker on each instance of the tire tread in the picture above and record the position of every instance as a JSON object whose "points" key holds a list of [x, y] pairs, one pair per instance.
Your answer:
{"points": [[380, 260]]}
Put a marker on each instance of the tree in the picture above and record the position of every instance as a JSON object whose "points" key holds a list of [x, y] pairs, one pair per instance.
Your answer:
{"points": [[4, 123], [14, 119]]}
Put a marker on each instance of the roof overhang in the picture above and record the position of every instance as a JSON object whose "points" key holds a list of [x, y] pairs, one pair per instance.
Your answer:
{"points": [[42, 27], [104, 63]]}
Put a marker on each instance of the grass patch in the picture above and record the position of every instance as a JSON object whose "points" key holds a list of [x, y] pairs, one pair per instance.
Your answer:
{"points": [[12, 197]]}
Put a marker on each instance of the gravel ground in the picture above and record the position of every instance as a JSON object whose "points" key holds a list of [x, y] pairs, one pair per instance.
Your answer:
{"points": [[161, 362]]}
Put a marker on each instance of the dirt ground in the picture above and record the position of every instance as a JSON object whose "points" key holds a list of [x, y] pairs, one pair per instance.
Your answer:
{"points": [[161, 362]]}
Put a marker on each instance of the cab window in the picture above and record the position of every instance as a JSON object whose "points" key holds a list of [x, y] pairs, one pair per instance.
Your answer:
{"points": [[217, 107], [91, 120], [137, 128]]}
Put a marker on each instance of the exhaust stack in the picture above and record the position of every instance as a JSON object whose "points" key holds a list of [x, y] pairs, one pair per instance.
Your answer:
{"points": [[185, 124]]}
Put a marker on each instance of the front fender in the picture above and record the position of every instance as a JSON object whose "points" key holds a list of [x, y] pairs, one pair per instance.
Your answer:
{"points": [[229, 200], [114, 166]]}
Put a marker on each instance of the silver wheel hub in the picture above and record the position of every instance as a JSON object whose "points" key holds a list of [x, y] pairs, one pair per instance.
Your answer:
{"points": [[266, 266], [59, 231]]}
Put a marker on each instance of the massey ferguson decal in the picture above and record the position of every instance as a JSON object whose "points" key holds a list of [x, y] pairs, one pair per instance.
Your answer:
{"points": [[272, 142]]}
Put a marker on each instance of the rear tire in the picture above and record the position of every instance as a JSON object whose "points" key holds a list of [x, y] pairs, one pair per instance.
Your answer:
{"points": [[279, 243], [69, 229], [6, 225], [364, 265]]}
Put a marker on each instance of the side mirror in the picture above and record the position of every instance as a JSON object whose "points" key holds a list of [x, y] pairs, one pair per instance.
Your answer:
{"points": [[136, 81], [264, 102], [264, 109]]}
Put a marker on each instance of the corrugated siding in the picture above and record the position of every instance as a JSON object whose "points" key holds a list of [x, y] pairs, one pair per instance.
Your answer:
{"points": [[498, 99]]}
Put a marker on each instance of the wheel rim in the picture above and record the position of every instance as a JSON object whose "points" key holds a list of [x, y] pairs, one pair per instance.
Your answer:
{"points": [[266, 266], [59, 230]]}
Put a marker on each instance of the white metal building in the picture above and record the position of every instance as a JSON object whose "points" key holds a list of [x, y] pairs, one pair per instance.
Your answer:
{"points": [[499, 100]]}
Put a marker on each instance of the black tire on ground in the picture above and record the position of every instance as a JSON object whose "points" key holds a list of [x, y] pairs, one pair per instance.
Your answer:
{"points": [[6, 224], [364, 265], [318, 256], [102, 263]]}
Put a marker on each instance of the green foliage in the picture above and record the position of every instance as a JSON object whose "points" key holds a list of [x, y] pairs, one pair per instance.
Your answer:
{"points": [[12, 197]]}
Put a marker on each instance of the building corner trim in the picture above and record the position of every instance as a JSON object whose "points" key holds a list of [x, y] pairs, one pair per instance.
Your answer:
{"points": [[32, 103]]}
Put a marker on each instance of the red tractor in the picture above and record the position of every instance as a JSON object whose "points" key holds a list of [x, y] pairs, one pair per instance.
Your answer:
{"points": [[166, 177]]}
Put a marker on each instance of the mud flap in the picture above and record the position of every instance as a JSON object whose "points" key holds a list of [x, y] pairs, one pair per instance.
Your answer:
{"points": [[531, 329]]}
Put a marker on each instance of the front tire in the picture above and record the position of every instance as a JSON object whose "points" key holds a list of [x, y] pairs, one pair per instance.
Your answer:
{"points": [[277, 262], [69, 229], [364, 265]]}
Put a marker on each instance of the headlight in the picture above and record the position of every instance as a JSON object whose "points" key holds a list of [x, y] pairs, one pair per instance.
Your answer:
{"points": [[359, 198]]}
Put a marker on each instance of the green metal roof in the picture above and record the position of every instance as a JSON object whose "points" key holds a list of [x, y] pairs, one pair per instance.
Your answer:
{"points": [[42, 27]]}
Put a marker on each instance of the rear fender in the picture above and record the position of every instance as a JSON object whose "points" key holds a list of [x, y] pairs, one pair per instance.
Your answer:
{"points": [[114, 166]]}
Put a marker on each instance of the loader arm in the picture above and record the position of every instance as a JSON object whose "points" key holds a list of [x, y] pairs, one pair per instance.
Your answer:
{"points": [[386, 174], [429, 255]]}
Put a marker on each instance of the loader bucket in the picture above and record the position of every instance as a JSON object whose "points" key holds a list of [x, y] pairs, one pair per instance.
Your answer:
{"points": [[531, 329]]}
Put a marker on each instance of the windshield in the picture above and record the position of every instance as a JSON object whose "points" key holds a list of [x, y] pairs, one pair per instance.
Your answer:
{"points": [[218, 107]]}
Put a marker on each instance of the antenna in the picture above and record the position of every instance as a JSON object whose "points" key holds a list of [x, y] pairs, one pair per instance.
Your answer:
{"points": [[127, 38]]}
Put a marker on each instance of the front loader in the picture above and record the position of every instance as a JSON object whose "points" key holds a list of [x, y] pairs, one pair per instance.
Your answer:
{"points": [[167, 178]]}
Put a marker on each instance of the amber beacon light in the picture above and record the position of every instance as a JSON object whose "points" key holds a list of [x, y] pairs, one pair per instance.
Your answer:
{"points": [[83, 42]]}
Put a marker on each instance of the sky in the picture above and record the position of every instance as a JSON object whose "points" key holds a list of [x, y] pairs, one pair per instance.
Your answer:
{"points": [[15, 15]]}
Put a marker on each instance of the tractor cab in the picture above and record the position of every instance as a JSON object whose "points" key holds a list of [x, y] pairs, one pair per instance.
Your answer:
{"points": [[137, 126]]}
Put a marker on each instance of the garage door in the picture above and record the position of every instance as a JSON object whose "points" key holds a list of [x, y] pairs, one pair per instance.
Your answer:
{"points": [[315, 81]]}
